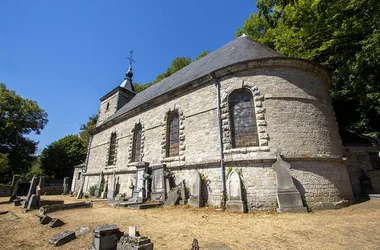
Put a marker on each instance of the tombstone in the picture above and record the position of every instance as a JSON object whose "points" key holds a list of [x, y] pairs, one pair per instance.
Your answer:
{"points": [[195, 198], [80, 192], [33, 201], [32, 190], [101, 181], [105, 190], [234, 190], [158, 183], [56, 223], [111, 187], [15, 189], [141, 190], [62, 238], [105, 237], [288, 197], [66, 182], [182, 189], [365, 183], [134, 241], [45, 219], [173, 197]]}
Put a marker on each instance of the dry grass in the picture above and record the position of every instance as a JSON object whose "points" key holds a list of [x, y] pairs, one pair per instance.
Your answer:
{"points": [[355, 227]]}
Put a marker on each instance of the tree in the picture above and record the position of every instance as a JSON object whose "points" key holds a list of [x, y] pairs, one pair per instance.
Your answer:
{"points": [[84, 133], [344, 36], [59, 158], [18, 117]]}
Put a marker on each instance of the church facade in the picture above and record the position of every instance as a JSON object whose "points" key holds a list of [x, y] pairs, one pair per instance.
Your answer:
{"points": [[232, 109]]}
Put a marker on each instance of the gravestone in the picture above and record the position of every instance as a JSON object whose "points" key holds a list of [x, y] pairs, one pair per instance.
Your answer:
{"points": [[82, 230], [195, 198], [288, 197], [133, 241], [62, 238], [158, 183], [56, 223], [111, 187], [32, 190], [66, 182], [100, 182], [15, 188], [365, 183], [105, 237], [45, 219], [33, 202], [182, 189], [234, 191], [173, 197], [105, 190], [141, 193]]}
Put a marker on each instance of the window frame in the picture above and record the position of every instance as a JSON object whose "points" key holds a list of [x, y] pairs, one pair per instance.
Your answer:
{"points": [[172, 145], [137, 137], [112, 151]]}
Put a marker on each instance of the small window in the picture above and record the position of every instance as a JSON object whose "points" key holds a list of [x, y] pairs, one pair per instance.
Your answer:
{"points": [[136, 151], [79, 175], [375, 159], [172, 139], [108, 106], [112, 150], [242, 119]]}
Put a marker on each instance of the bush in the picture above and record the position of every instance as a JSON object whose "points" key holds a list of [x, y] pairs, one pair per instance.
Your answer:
{"points": [[92, 189]]}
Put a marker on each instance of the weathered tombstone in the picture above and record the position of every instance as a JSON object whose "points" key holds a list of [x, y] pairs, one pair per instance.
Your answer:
{"points": [[105, 190], [173, 197], [158, 183], [56, 223], [32, 190], [234, 190], [133, 241], [111, 187], [66, 182], [45, 219], [62, 238], [79, 231], [365, 183], [33, 202], [106, 237], [100, 182], [182, 189], [195, 198], [140, 193], [288, 197], [15, 188]]}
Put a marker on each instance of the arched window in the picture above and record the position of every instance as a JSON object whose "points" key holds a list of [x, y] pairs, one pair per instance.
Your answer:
{"points": [[172, 138], [242, 119], [112, 152], [136, 148]]}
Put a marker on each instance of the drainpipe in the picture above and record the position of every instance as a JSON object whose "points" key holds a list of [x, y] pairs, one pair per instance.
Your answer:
{"points": [[222, 168]]}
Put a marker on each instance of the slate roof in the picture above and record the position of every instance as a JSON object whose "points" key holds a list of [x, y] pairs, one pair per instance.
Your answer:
{"points": [[240, 49]]}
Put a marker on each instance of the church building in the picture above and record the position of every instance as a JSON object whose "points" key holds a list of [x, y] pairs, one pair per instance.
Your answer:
{"points": [[232, 110]]}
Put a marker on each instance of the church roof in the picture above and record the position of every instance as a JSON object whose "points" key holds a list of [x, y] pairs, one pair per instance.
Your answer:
{"points": [[240, 49]]}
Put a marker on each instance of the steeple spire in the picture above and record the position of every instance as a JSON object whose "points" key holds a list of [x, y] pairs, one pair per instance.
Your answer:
{"points": [[127, 83]]}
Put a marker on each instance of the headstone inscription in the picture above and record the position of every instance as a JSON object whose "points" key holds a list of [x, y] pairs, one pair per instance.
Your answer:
{"points": [[195, 198], [234, 190], [288, 197]]}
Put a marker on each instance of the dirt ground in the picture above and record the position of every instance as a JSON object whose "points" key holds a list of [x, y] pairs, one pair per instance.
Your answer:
{"points": [[354, 227]]}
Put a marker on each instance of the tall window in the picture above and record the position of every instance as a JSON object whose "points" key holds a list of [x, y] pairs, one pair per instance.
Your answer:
{"points": [[112, 152], [172, 139], [136, 151], [242, 119]]}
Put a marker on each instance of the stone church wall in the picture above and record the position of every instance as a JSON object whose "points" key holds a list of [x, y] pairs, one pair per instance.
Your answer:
{"points": [[294, 116]]}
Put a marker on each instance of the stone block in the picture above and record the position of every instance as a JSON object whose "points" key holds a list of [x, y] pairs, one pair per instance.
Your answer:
{"points": [[45, 220], [17, 202], [106, 237], [62, 238], [56, 223]]}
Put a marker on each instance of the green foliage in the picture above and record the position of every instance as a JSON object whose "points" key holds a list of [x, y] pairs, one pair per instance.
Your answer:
{"points": [[344, 36], [36, 168], [86, 128], [3, 162], [59, 158], [18, 117], [176, 65], [92, 189]]}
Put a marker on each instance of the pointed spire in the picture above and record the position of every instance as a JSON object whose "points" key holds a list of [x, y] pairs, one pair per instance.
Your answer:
{"points": [[127, 83]]}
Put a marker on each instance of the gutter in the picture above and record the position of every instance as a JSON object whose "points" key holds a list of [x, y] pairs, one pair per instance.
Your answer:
{"points": [[222, 167]]}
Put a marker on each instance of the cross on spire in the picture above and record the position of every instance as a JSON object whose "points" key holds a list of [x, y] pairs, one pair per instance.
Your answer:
{"points": [[130, 59]]}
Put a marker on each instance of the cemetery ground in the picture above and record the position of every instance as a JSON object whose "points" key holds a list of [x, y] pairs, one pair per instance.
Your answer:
{"points": [[354, 227]]}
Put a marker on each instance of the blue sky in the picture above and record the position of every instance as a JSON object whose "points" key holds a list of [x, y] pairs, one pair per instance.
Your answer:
{"points": [[67, 54]]}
